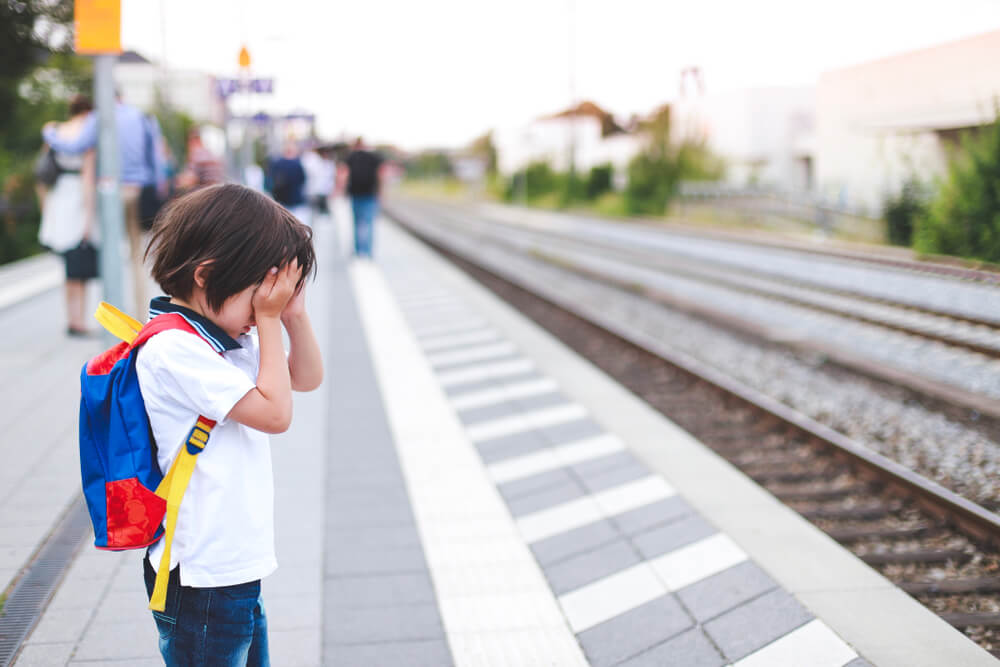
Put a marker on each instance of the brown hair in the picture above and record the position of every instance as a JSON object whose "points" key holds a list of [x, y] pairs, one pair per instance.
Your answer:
{"points": [[79, 104], [239, 232]]}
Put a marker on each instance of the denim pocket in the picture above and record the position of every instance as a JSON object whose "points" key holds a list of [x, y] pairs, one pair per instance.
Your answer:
{"points": [[248, 591]]}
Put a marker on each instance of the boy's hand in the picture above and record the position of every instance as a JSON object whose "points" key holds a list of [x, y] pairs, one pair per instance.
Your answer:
{"points": [[278, 287], [296, 306]]}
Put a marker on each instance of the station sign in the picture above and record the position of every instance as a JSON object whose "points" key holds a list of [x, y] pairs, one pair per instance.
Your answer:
{"points": [[227, 87], [98, 26]]}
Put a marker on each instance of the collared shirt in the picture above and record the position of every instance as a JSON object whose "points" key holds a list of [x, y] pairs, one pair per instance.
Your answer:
{"points": [[137, 137], [225, 527]]}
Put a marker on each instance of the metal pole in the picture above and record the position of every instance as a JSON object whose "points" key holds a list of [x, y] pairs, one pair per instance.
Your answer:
{"points": [[111, 215]]}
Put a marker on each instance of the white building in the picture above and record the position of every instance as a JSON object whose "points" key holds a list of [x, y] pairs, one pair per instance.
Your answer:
{"points": [[879, 123], [765, 135], [586, 130], [189, 91]]}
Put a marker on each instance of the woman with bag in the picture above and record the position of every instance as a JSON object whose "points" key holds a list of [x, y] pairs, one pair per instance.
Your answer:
{"points": [[68, 220]]}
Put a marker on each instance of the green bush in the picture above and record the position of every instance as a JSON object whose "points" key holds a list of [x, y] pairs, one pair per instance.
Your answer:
{"points": [[533, 182], [599, 181], [652, 182], [902, 212], [964, 218]]}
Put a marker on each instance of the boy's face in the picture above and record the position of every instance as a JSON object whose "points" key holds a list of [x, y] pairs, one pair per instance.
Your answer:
{"points": [[236, 315]]}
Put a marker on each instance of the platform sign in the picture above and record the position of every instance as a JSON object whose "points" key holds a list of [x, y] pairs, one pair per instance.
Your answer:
{"points": [[98, 26], [227, 87]]}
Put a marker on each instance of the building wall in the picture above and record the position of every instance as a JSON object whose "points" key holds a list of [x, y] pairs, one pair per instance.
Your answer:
{"points": [[550, 139], [189, 91], [763, 134], [881, 122]]}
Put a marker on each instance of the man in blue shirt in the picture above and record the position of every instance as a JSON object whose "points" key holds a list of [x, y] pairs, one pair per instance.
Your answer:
{"points": [[142, 163]]}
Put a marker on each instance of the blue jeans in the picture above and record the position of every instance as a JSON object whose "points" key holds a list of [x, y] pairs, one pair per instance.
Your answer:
{"points": [[210, 627], [365, 209]]}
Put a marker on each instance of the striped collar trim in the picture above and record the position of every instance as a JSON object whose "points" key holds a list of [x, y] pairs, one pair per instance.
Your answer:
{"points": [[209, 330]]}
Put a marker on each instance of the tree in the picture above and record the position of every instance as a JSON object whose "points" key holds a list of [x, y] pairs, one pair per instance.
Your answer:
{"points": [[964, 218]]}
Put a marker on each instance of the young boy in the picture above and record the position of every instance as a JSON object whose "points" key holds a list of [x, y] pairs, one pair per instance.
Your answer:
{"points": [[230, 259]]}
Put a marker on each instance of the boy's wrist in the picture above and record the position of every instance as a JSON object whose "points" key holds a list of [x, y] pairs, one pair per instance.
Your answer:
{"points": [[294, 319]]}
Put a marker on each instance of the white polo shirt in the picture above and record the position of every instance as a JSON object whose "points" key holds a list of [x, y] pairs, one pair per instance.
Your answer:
{"points": [[225, 527]]}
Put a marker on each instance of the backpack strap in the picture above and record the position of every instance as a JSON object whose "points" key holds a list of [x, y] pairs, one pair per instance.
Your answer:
{"points": [[175, 482], [172, 489]]}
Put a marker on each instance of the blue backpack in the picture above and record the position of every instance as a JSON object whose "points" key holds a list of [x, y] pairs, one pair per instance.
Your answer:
{"points": [[126, 494]]}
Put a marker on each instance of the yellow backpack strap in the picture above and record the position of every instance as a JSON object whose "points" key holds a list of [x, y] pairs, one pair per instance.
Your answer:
{"points": [[117, 322], [172, 489]]}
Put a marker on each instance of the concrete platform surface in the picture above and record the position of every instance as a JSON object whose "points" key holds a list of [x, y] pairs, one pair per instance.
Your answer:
{"points": [[464, 490]]}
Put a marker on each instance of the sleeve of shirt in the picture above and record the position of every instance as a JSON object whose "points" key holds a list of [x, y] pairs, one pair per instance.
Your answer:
{"points": [[84, 141], [183, 368]]}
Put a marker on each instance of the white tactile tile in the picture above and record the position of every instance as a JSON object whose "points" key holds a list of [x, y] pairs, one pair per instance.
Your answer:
{"points": [[609, 597], [459, 513], [633, 494], [559, 519], [694, 562], [557, 457], [814, 644], [444, 342], [450, 328], [528, 421], [500, 369], [477, 399], [478, 353], [516, 648]]}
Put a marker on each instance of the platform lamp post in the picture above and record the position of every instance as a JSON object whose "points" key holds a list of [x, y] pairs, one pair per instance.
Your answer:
{"points": [[98, 33]]}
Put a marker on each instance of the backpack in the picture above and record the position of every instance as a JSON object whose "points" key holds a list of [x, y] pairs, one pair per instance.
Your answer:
{"points": [[47, 169], [126, 494]]}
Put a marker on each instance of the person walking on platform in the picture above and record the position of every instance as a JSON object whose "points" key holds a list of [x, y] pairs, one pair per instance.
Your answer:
{"points": [[363, 182], [68, 217], [321, 174], [230, 259], [142, 163], [286, 178]]}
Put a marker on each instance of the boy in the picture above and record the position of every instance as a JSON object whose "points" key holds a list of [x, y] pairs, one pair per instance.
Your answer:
{"points": [[230, 259]]}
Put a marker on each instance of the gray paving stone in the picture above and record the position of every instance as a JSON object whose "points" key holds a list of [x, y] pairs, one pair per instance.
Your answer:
{"points": [[617, 476], [364, 515], [560, 434], [457, 366], [730, 588], [403, 534], [634, 631], [603, 464], [491, 383], [488, 413], [564, 545], [348, 560], [546, 498], [45, 655], [412, 654], [688, 649], [382, 590], [646, 517], [669, 536], [349, 625], [587, 567], [745, 629], [547, 400], [508, 446], [534, 483], [857, 662], [121, 641], [381, 495]]}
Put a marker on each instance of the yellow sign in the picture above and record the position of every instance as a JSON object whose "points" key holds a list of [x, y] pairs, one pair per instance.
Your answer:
{"points": [[98, 26], [244, 57]]}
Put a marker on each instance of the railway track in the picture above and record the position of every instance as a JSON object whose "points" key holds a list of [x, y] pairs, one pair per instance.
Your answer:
{"points": [[674, 280], [937, 546]]}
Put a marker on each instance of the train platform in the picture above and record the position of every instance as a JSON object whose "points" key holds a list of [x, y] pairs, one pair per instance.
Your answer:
{"points": [[465, 490]]}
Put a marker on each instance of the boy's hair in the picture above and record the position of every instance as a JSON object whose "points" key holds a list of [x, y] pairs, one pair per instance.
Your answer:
{"points": [[238, 231]]}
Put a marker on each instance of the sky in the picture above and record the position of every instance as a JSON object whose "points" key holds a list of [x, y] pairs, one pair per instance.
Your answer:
{"points": [[438, 73]]}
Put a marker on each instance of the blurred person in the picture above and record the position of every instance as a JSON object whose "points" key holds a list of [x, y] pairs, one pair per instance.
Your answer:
{"points": [[203, 166], [363, 167], [286, 179], [68, 216], [141, 163], [321, 174]]}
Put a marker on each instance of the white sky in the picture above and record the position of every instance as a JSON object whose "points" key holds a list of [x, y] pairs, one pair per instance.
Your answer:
{"points": [[423, 73]]}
